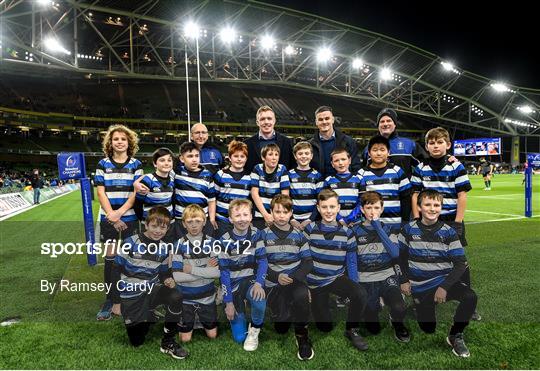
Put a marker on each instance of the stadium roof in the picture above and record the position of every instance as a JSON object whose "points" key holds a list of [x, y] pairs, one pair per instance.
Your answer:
{"points": [[269, 45]]}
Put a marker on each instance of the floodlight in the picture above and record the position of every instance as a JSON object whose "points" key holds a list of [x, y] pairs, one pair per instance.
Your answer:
{"points": [[227, 35], [267, 42], [289, 50], [385, 74], [192, 30], [500, 87], [324, 54], [448, 66], [357, 63], [54, 45], [525, 109]]}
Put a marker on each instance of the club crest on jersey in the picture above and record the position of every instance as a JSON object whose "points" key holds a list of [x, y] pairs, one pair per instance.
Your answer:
{"points": [[400, 145]]}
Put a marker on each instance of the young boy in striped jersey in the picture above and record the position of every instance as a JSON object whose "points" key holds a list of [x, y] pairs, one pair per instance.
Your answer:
{"points": [[114, 179], [388, 180], [378, 267], [160, 186], [193, 184], [243, 266], [143, 280], [289, 262], [231, 183], [194, 265], [344, 183], [267, 180], [433, 263], [306, 183], [449, 178], [335, 271]]}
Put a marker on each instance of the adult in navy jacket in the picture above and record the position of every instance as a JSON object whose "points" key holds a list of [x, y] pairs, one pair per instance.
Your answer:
{"points": [[404, 152], [210, 156], [266, 121], [329, 138]]}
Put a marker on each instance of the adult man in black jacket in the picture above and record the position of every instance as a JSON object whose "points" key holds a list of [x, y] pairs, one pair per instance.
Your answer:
{"points": [[327, 139], [266, 120]]}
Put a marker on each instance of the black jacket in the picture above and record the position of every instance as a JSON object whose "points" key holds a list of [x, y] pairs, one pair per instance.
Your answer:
{"points": [[342, 141], [286, 156], [37, 182]]}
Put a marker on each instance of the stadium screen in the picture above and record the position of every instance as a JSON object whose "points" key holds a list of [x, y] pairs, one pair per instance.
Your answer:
{"points": [[477, 147]]}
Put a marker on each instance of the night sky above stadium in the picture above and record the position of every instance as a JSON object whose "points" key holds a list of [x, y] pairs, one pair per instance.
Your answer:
{"points": [[495, 41]]}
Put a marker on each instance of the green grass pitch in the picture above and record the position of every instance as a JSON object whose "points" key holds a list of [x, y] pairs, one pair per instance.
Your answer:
{"points": [[59, 331]]}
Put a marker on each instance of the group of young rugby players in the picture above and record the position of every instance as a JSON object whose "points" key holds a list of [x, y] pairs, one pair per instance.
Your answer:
{"points": [[282, 239]]}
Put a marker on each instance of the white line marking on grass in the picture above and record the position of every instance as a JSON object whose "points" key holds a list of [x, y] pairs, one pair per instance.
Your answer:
{"points": [[501, 220], [500, 196], [33, 206], [489, 212]]}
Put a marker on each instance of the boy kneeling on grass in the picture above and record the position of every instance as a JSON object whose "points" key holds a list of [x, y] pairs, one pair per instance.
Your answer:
{"points": [[194, 267], [378, 267], [143, 281], [289, 262], [433, 260], [243, 266]]}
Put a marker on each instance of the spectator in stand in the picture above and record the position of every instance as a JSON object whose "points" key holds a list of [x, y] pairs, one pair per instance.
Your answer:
{"points": [[266, 121], [210, 156]]}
